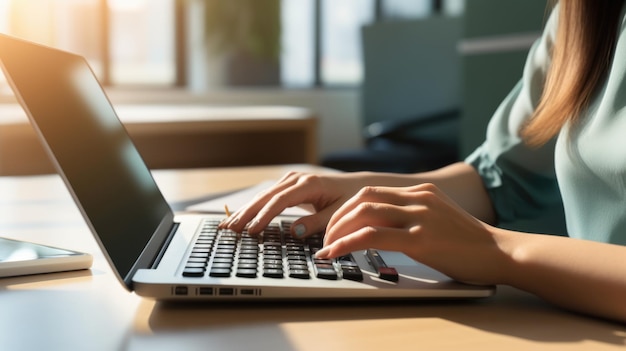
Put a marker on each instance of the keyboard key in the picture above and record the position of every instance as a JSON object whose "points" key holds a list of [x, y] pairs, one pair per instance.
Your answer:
{"points": [[225, 251], [246, 273], [351, 273], [326, 273], [272, 253], [224, 255], [194, 272], [221, 265], [296, 259], [247, 265], [199, 255], [248, 256], [299, 273], [324, 266], [220, 272], [349, 268], [273, 258], [278, 263], [323, 261], [201, 250], [298, 265], [248, 261], [273, 273], [195, 265]]}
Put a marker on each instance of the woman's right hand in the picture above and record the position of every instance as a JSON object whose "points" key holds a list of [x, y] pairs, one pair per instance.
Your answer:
{"points": [[325, 192]]}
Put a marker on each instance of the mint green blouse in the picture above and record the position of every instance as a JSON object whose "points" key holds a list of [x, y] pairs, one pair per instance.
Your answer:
{"points": [[584, 168]]}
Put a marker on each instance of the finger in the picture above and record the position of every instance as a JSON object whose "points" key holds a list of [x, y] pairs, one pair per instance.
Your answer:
{"points": [[238, 220], [373, 215], [294, 195], [305, 188], [421, 194], [369, 194], [389, 211], [313, 224], [381, 238]]}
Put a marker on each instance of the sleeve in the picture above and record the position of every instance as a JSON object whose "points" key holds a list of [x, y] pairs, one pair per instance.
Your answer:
{"points": [[520, 180]]}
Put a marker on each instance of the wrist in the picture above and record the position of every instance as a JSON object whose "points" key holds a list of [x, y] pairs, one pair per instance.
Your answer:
{"points": [[506, 255]]}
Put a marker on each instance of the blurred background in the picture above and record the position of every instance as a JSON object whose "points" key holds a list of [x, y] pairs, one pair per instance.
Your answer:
{"points": [[306, 53]]}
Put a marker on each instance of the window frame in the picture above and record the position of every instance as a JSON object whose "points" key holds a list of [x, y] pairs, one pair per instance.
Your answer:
{"points": [[181, 42]]}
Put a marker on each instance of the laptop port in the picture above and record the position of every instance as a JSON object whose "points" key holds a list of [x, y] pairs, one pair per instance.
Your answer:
{"points": [[181, 290], [227, 291], [205, 291], [246, 291]]}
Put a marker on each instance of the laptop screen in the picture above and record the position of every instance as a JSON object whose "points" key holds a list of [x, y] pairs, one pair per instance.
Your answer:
{"points": [[104, 171]]}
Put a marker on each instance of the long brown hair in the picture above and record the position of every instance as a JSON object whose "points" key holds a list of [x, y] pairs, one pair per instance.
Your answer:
{"points": [[582, 54]]}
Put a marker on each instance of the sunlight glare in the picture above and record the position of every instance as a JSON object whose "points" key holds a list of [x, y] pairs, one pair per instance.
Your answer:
{"points": [[126, 5]]}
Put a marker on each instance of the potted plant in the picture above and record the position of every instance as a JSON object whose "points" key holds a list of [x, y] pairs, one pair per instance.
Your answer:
{"points": [[248, 34]]}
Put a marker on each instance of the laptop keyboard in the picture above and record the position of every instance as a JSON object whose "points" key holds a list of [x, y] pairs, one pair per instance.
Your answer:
{"points": [[274, 254]]}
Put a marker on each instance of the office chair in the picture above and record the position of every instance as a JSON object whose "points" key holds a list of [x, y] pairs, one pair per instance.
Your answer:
{"points": [[410, 97]]}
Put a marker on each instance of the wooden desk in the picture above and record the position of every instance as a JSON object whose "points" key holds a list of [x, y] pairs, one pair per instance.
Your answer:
{"points": [[90, 310], [182, 136]]}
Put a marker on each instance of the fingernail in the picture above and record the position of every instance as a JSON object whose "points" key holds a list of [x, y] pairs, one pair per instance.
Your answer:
{"points": [[227, 222], [322, 253], [300, 230]]}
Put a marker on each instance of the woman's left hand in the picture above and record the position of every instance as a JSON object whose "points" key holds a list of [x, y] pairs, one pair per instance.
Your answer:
{"points": [[422, 222]]}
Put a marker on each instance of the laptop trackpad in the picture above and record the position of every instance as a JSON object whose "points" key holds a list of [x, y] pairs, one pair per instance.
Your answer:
{"points": [[411, 269], [394, 259]]}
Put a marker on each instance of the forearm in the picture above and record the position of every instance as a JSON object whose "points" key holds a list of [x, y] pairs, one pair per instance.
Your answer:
{"points": [[580, 275], [459, 181]]}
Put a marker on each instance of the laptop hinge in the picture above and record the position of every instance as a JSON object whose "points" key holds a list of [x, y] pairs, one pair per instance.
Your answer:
{"points": [[166, 243]]}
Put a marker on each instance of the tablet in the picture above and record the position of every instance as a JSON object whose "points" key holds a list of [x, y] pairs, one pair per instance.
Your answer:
{"points": [[25, 258]]}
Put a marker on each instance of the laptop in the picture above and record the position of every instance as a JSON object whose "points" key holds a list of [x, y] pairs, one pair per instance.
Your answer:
{"points": [[174, 256]]}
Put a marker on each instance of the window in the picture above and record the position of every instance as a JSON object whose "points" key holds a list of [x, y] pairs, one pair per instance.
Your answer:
{"points": [[141, 42], [321, 40], [298, 43], [125, 41], [341, 22], [156, 42]]}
